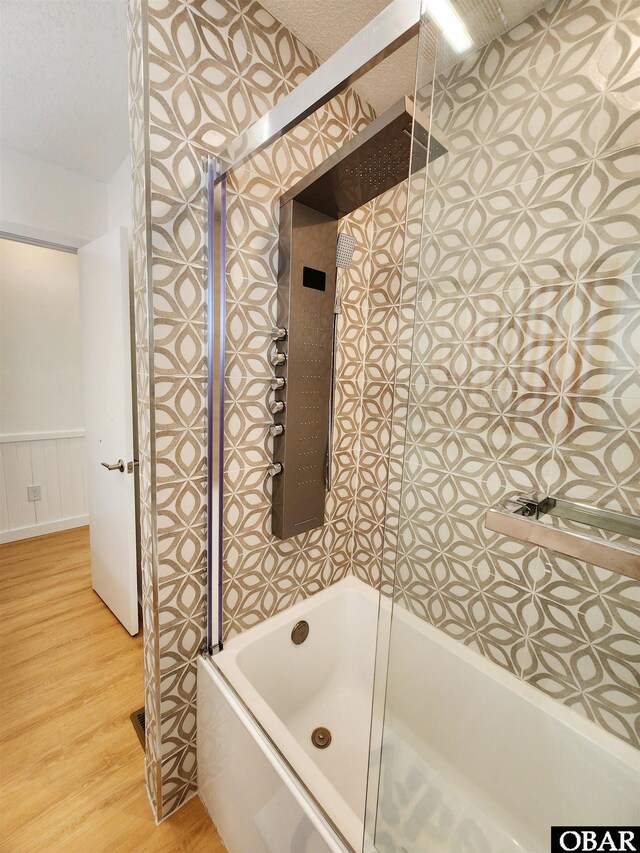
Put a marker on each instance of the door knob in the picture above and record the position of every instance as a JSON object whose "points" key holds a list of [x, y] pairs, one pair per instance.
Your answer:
{"points": [[116, 466]]}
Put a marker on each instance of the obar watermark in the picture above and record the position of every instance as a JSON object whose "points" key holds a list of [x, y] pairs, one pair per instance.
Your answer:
{"points": [[595, 839]]}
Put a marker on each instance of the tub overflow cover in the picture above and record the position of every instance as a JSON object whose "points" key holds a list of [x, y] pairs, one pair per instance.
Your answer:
{"points": [[300, 632]]}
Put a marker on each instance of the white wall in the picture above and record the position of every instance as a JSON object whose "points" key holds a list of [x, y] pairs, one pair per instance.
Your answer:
{"points": [[41, 201], [40, 370], [41, 417], [119, 197]]}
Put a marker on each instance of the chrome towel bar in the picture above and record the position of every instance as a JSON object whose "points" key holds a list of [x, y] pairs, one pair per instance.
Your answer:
{"points": [[519, 517]]}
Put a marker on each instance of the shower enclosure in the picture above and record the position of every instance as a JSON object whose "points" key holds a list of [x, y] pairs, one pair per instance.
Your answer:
{"points": [[475, 595]]}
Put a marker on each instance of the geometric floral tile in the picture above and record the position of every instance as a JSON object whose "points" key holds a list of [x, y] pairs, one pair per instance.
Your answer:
{"points": [[617, 65], [380, 229], [144, 377], [525, 352], [599, 452], [211, 69], [506, 278], [604, 343], [263, 574], [612, 229], [179, 773], [584, 643]]}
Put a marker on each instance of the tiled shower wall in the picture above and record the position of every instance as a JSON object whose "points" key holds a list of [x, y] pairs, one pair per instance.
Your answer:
{"points": [[138, 121], [367, 360], [264, 575], [201, 72], [525, 371]]}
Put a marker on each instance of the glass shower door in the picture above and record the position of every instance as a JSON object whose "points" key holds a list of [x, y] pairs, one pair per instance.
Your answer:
{"points": [[516, 376]]}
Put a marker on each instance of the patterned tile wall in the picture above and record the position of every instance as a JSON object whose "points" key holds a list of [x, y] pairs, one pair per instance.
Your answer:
{"points": [[201, 72], [138, 110], [205, 71], [264, 575], [372, 297], [526, 352]]}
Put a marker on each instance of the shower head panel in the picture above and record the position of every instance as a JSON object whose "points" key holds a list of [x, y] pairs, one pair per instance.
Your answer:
{"points": [[306, 298], [344, 250], [375, 160]]}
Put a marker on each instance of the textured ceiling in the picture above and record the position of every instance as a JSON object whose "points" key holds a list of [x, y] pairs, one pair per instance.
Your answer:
{"points": [[63, 89], [325, 25], [63, 68]]}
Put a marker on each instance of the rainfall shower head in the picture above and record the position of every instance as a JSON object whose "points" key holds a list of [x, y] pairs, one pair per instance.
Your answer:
{"points": [[344, 250], [373, 161]]}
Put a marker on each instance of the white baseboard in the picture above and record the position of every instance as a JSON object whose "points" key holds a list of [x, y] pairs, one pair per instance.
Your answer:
{"points": [[42, 529]]}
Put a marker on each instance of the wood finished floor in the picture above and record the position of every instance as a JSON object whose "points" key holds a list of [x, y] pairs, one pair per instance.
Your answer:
{"points": [[71, 766]]}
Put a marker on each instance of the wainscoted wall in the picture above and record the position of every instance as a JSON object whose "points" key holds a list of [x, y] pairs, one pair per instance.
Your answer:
{"points": [[526, 352], [41, 416], [55, 463]]}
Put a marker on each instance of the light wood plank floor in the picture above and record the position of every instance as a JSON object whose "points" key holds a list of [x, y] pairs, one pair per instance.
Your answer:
{"points": [[71, 766]]}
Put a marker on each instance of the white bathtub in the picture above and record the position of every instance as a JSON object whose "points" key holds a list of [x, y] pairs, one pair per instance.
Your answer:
{"points": [[469, 751]]}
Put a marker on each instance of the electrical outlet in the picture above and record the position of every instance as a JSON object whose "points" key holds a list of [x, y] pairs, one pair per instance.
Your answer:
{"points": [[34, 493]]}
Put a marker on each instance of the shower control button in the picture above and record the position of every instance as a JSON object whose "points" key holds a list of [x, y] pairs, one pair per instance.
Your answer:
{"points": [[278, 359], [278, 334], [276, 407], [277, 383], [275, 469], [276, 429]]}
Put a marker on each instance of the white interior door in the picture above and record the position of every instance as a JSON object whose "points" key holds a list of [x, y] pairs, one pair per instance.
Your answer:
{"points": [[106, 343]]}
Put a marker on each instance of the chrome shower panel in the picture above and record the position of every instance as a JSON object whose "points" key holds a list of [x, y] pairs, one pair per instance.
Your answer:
{"points": [[375, 160], [306, 293]]}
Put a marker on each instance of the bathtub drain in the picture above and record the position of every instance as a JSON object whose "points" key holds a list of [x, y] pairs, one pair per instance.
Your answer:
{"points": [[321, 737]]}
